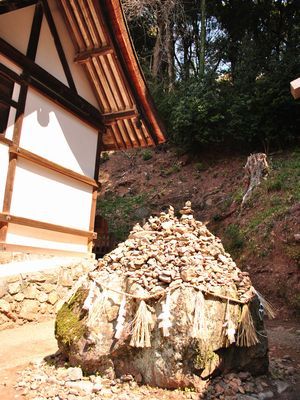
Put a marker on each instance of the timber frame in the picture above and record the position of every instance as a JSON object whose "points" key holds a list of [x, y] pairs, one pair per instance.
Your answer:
{"points": [[124, 118]]}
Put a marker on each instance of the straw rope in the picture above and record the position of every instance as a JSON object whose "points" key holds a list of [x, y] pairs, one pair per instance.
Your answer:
{"points": [[163, 292]]}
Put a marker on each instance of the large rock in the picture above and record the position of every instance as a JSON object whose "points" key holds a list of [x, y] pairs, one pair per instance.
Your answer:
{"points": [[177, 267]]}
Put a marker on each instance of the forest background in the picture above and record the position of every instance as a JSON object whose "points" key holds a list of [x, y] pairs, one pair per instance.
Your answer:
{"points": [[220, 70]]}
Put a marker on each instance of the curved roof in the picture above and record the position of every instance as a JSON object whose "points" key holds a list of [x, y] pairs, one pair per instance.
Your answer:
{"points": [[104, 47]]}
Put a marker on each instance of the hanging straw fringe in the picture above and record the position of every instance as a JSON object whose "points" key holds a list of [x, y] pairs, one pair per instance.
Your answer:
{"points": [[246, 331], [265, 307], [121, 319], [141, 327], [165, 316], [98, 308], [229, 326], [90, 297], [199, 329]]}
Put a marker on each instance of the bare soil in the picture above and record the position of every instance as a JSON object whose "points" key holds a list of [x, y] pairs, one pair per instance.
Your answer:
{"points": [[260, 238]]}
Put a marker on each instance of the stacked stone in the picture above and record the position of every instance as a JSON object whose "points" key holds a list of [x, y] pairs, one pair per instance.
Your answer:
{"points": [[167, 252]]}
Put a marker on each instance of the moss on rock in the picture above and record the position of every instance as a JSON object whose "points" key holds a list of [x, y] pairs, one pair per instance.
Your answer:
{"points": [[69, 325]]}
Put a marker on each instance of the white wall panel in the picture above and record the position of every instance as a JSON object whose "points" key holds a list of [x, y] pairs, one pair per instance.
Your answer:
{"points": [[15, 27], [48, 196], [4, 157], [33, 237], [53, 133], [47, 56]]}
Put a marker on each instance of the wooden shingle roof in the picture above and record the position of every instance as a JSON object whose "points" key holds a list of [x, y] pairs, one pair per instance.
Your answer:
{"points": [[105, 49]]}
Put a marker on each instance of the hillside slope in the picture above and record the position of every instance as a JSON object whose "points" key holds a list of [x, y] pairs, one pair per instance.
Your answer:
{"points": [[263, 238]]}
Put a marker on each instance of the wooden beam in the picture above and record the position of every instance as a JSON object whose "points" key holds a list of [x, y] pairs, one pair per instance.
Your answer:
{"points": [[41, 250], [35, 32], [9, 182], [3, 231], [8, 73], [50, 86], [58, 46], [19, 152], [11, 5], [6, 100], [6, 141], [8, 218], [109, 118], [84, 56]]}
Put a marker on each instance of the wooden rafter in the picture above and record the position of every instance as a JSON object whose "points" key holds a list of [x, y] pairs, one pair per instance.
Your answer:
{"points": [[85, 56]]}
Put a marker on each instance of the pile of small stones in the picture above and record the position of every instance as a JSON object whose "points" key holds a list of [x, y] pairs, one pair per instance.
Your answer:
{"points": [[167, 252], [55, 381]]}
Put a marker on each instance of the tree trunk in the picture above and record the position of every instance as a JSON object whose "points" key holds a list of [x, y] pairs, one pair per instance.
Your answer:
{"points": [[170, 54], [157, 52], [203, 39]]}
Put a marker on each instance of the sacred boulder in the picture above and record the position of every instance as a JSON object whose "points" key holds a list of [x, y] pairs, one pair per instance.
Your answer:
{"points": [[168, 306]]}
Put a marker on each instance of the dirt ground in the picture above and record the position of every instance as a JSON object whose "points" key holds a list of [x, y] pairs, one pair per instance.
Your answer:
{"points": [[19, 347], [30, 343]]}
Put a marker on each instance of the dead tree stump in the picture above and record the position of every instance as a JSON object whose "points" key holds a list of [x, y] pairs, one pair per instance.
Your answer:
{"points": [[256, 169]]}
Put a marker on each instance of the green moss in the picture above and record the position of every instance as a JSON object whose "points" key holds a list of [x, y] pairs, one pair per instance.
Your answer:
{"points": [[204, 356], [69, 325]]}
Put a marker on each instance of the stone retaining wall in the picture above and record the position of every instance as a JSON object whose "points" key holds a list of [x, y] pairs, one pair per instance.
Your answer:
{"points": [[34, 291]]}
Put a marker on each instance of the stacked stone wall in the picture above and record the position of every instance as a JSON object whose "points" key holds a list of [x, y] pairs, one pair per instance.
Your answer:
{"points": [[37, 295]]}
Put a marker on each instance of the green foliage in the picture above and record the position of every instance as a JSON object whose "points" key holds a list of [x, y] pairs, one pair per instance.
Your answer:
{"points": [[234, 239], [121, 212], [146, 154], [104, 156]]}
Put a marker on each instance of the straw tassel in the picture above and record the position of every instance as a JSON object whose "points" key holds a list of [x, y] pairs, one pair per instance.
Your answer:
{"points": [[141, 327], [246, 331], [121, 319], [98, 307], [229, 326], [200, 324], [165, 316], [264, 307]]}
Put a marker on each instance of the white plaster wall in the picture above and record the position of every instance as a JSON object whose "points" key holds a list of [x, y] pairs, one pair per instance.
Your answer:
{"points": [[53, 133], [81, 81], [48, 196], [33, 237], [15, 27], [47, 56], [4, 157]]}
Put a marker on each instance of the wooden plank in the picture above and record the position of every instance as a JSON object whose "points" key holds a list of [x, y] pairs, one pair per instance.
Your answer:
{"points": [[8, 73], [52, 87], [41, 250], [19, 152], [109, 118], [3, 231], [93, 210], [4, 140], [6, 100], [9, 182], [35, 32], [85, 56], [20, 114], [68, 15], [59, 46], [8, 218], [12, 5]]}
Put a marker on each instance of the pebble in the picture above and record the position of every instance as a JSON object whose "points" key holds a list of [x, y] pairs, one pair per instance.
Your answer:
{"points": [[166, 250]]}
